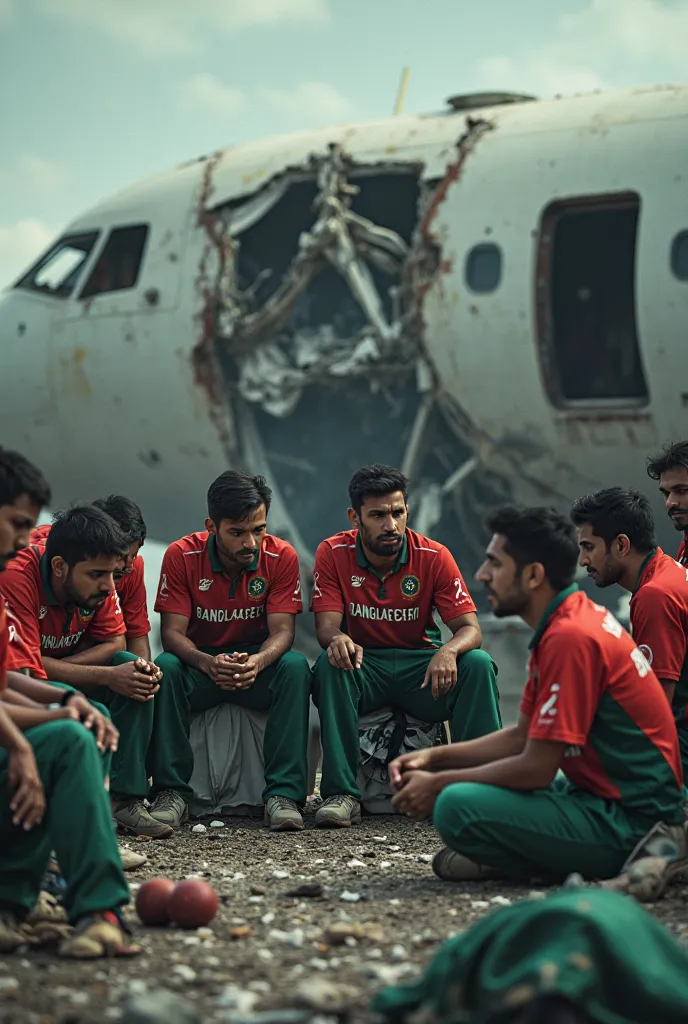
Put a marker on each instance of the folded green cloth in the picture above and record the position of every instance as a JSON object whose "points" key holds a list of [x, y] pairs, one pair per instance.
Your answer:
{"points": [[597, 948]]}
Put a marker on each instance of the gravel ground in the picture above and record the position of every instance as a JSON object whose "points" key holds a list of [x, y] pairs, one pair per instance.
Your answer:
{"points": [[266, 949]]}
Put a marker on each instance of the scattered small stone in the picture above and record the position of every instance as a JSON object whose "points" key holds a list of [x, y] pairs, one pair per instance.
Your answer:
{"points": [[217, 824], [265, 955], [394, 849], [319, 964], [355, 863], [280, 874], [350, 897], [205, 933], [479, 904], [257, 890], [199, 828], [379, 839], [500, 901], [268, 918], [308, 891], [157, 1007], [426, 858], [184, 973], [385, 864], [574, 881], [339, 934], [536, 894], [236, 999], [242, 931], [255, 899], [398, 953], [293, 938], [397, 903], [324, 996], [9, 985]]}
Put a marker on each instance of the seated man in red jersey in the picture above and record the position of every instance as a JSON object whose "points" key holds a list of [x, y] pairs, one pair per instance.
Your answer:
{"points": [[129, 580], [592, 708], [375, 589], [670, 469], [67, 627], [616, 536], [51, 784], [229, 598]]}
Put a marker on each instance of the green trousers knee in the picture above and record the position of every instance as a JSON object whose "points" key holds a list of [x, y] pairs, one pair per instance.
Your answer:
{"points": [[282, 689], [393, 678], [134, 720], [77, 825], [106, 756], [550, 832]]}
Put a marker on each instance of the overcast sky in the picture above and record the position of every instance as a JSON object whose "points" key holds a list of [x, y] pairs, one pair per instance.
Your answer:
{"points": [[100, 93]]}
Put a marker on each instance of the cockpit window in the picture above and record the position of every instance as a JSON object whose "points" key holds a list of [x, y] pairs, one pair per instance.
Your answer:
{"points": [[586, 302], [58, 270], [119, 264]]}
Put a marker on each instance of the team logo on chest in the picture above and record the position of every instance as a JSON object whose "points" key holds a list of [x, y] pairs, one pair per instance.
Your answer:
{"points": [[85, 614], [257, 587], [410, 586], [43, 612]]}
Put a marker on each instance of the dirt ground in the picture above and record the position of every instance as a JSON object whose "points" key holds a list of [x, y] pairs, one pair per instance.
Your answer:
{"points": [[267, 950]]}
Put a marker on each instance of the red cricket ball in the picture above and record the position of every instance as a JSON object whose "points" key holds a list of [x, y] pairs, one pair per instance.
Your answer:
{"points": [[192, 904], [152, 901]]}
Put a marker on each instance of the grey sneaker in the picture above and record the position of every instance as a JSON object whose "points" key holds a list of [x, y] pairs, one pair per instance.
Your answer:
{"points": [[339, 812], [451, 866], [133, 817], [282, 814], [170, 808]]}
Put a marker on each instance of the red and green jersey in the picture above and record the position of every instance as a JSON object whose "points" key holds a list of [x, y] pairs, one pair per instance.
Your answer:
{"points": [[395, 609], [40, 625], [591, 688], [659, 622], [225, 612], [131, 590], [4, 647], [682, 555]]}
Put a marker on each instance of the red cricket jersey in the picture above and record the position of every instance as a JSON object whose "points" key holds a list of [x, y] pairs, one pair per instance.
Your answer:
{"points": [[590, 687], [42, 626], [682, 555], [659, 614], [131, 590], [395, 610], [226, 613]]}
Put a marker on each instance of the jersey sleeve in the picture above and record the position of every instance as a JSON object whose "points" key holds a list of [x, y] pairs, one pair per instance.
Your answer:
{"points": [[24, 634], [327, 593], [659, 631], [108, 621], [173, 594], [530, 693], [450, 594], [284, 593], [4, 647], [132, 598], [569, 687]]}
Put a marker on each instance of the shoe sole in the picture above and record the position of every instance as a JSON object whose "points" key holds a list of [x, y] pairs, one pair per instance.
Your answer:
{"points": [[128, 830], [287, 826], [338, 823]]}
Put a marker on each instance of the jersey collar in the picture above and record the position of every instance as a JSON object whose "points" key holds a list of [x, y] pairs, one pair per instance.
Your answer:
{"points": [[549, 612], [643, 567], [44, 568], [363, 563], [216, 564]]}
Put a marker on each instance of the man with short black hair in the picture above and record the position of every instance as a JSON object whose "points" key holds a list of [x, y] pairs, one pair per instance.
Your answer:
{"points": [[375, 589], [592, 708], [67, 627], [616, 537], [670, 469], [129, 579], [228, 599], [51, 784]]}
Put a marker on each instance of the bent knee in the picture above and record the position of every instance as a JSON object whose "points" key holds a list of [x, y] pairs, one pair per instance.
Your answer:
{"points": [[101, 708], [462, 803], [295, 662], [479, 662], [167, 662], [71, 735]]}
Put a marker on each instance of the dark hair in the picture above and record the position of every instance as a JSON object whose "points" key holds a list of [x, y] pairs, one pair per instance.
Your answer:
{"points": [[18, 476], [374, 482], [672, 456], [614, 511], [538, 535], [83, 532], [126, 514], [235, 494]]}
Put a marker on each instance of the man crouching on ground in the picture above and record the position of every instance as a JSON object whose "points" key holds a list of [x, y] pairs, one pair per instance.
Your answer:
{"points": [[592, 708]]}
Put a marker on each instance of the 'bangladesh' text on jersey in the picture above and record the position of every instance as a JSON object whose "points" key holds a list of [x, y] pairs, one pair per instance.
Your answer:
{"points": [[40, 625], [228, 613], [591, 688], [394, 610]]}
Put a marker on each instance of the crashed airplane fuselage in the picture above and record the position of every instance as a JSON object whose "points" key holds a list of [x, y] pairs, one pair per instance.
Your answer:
{"points": [[493, 298]]}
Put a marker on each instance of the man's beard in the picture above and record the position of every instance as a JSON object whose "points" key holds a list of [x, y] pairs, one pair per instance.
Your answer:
{"points": [[513, 603], [390, 545]]}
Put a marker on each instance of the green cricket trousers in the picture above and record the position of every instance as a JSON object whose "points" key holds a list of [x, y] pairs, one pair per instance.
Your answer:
{"points": [[550, 832], [282, 689], [77, 825], [393, 678]]}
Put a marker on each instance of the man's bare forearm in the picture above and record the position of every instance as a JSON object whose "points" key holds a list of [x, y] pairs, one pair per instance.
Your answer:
{"points": [[178, 644], [79, 676], [494, 747], [468, 638], [35, 689], [28, 718], [98, 654], [140, 646], [518, 772], [326, 634], [275, 646], [11, 738]]}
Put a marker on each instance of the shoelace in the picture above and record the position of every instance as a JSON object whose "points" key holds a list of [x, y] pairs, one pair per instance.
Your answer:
{"points": [[167, 801]]}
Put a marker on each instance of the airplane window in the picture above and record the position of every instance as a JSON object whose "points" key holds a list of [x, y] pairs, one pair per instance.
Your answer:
{"points": [[679, 256], [484, 268], [586, 301], [57, 271], [119, 264]]}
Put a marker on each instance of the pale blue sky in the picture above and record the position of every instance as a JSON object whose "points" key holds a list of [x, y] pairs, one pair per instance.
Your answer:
{"points": [[100, 93]]}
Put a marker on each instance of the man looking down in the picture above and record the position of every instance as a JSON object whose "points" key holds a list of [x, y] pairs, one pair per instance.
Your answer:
{"points": [[670, 470], [592, 707]]}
